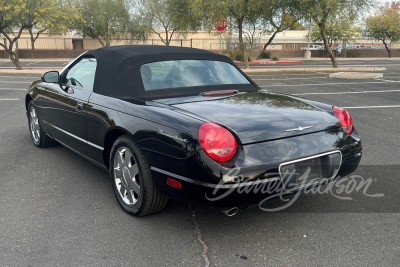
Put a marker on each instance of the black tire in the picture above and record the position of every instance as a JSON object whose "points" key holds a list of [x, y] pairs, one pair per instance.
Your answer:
{"points": [[131, 179], [39, 137]]}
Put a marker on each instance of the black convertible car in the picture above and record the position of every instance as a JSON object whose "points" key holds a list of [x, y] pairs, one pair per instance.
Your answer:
{"points": [[188, 124]]}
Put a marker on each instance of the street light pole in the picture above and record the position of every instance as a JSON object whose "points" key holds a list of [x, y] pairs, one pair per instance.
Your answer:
{"points": [[307, 54], [309, 34], [220, 46]]}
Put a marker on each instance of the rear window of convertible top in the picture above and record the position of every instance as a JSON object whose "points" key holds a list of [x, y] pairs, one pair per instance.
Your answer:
{"points": [[189, 73]]}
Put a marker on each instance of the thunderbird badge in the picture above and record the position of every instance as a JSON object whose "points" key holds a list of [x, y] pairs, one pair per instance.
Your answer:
{"points": [[298, 129]]}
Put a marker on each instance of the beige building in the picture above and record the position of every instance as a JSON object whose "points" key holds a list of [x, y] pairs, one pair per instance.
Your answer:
{"points": [[201, 39]]}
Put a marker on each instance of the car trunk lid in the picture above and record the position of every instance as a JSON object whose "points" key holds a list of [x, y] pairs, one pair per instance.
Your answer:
{"points": [[260, 116]]}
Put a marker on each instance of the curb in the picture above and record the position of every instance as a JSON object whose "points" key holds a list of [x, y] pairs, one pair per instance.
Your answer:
{"points": [[356, 75], [330, 69], [26, 71]]}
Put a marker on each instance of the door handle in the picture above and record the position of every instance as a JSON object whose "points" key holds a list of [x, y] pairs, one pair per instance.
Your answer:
{"points": [[79, 106]]}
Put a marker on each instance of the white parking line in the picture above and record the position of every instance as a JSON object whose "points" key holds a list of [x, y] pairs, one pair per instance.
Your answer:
{"points": [[395, 106], [13, 82], [380, 65], [340, 93], [317, 84], [32, 63], [289, 79], [389, 73], [322, 72], [9, 99], [389, 81], [285, 74]]}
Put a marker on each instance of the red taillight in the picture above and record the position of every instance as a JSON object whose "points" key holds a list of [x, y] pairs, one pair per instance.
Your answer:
{"points": [[345, 119], [217, 141]]}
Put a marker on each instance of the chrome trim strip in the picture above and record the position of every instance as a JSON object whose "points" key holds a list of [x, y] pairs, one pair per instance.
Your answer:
{"points": [[227, 186], [74, 136], [312, 157]]}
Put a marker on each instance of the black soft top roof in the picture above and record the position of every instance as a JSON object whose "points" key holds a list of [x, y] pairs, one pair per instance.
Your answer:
{"points": [[147, 53], [118, 69]]}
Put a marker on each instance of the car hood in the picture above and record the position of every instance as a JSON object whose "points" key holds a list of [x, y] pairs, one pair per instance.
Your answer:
{"points": [[262, 116]]}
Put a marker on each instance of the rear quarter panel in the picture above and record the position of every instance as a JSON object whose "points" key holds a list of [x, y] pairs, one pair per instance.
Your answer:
{"points": [[162, 133]]}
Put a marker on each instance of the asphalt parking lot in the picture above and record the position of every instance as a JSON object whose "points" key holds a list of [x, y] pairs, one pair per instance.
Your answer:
{"points": [[58, 209]]}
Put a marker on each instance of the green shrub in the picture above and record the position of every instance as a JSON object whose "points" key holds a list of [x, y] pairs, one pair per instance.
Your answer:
{"points": [[236, 54], [275, 58], [264, 54]]}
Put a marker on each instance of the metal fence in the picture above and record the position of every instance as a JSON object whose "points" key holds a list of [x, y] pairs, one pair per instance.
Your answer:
{"points": [[287, 43], [47, 43]]}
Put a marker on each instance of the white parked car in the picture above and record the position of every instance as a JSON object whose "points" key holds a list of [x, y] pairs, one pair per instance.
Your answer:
{"points": [[314, 47]]}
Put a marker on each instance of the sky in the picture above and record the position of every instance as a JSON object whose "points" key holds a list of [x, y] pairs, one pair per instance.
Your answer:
{"points": [[378, 4]]}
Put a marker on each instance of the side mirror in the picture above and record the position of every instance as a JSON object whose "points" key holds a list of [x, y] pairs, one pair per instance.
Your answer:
{"points": [[51, 77]]}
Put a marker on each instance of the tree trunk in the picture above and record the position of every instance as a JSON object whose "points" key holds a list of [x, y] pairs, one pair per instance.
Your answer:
{"points": [[9, 50], [327, 47], [101, 42], [32, 43], [33, 48], [15, 60], [270, 40], [245, 58], [387, 48], [251, 46], [107, 39], [170, 36], [166, 37]]}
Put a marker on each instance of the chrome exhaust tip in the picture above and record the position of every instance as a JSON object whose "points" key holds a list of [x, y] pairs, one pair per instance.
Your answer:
{"points": [[231, 212]]}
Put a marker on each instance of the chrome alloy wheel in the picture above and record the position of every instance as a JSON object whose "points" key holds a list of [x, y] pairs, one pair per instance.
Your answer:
{"points": [[126, 175], [34, 125]]}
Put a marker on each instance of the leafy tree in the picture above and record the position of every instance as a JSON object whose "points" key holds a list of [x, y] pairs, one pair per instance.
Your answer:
{"points": [[337, 28], [385, 24], [280, 15], [104, 20], [13, 15], [49, 15], [169, 16], [251, 30], [240, 12], [297, 26], [321, 10]]}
